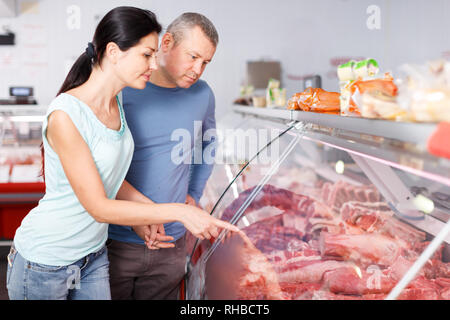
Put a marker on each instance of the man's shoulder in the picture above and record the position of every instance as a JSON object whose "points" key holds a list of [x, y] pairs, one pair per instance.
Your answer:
{"points": [[202, 85]]}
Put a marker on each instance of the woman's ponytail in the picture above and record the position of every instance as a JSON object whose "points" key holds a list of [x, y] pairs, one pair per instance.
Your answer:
{"points": [[80, 71]]}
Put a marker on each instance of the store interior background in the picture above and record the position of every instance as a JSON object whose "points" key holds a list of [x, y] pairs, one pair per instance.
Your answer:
{"points": [[307, 37]]}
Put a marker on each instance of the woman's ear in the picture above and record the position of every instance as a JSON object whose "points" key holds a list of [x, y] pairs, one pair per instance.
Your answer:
{"points": [[112, 52]]}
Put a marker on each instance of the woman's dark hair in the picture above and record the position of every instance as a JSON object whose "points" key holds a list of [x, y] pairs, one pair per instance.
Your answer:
{"points": [[125, 26]]}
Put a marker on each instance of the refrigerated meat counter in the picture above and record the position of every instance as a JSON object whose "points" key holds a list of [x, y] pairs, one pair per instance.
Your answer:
{"points": [[21, 183], [329, 208]]}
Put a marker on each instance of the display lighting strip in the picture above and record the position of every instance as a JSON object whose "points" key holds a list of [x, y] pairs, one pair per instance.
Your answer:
{"points": [[421, 173]]}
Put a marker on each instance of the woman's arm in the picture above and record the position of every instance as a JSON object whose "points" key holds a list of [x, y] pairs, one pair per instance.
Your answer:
{"points": [[80, 169], [154, 235], [128, 192]]}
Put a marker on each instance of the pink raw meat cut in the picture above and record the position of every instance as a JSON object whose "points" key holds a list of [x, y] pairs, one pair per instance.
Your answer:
{"points": [[259, 280], [377, 217], [419, 294], [352, 211], [445, 293], [364, 248], [299, 291], [273, 196], [327, 295], [335, 195], [419, 247], [420, 289], [442, 282], [269, 234], [311, 270], [303, 250], [349, 281], [442, 269]]}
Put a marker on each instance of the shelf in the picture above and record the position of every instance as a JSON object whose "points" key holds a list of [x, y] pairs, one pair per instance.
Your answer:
{"points": [[416, 133], [401, 145], [22, 107], [24, 113]]}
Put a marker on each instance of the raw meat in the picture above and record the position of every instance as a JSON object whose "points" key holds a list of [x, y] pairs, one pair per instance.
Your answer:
{"points": [[377, 217], [298, 247], [335, 195], [299, 291], [307, 271], [259, 280], [356, 281], [363, 248], [270, 195]]}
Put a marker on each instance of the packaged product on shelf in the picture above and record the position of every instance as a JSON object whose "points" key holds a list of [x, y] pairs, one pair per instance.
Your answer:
{"points": [[246, 90], [315, 100], [275, 96], [358, 78], [366, 68], [425, 91], [259, 101], [376, 98], [347, 73], [381, 106], [245, 95]]}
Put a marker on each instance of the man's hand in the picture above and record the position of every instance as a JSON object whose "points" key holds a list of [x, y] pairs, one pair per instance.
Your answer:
{"points": [[154, 236]]}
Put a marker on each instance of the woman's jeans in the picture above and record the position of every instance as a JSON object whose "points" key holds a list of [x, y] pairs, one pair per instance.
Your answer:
{"points": [[86, 279]]}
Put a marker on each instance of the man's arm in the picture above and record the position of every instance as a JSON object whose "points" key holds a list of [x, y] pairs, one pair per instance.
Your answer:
{"points": [[200, 173]]}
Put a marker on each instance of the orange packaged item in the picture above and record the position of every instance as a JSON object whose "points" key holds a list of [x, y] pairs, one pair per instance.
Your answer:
{"points": [[357, 88], [315, 100]]}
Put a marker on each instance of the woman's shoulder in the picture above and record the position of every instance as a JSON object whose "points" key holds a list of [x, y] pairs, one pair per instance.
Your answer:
{"points": [[62, 101], [67, 103], [72, 109]]}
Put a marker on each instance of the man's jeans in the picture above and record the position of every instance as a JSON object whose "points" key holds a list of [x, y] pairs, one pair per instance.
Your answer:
{"points": [[86, 279]]}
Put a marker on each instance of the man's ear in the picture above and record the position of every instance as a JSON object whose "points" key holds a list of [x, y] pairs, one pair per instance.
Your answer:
{"points": [[112, 52], [167, 42]]}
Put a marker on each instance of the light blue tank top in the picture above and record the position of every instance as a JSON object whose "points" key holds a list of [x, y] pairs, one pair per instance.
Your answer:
{"points": [[59, 231]]}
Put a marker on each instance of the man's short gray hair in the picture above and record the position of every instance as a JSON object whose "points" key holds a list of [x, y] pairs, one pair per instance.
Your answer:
{"points": [[189, 20]]}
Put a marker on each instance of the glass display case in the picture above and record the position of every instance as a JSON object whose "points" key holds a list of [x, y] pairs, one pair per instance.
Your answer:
{"points": [[21, 183], [328, 208]]}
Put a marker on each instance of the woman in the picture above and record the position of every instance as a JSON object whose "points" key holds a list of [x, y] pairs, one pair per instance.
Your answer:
{"points": [[59, 250]]}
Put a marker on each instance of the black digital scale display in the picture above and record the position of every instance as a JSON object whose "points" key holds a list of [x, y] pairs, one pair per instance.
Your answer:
{"points": [[19, 95]]}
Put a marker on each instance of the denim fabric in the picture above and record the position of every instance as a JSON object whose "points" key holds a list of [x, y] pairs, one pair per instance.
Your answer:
{"points": [[86, 279]]}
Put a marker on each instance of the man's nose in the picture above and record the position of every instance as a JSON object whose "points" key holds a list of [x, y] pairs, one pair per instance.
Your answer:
{"points": [[197, 68]]}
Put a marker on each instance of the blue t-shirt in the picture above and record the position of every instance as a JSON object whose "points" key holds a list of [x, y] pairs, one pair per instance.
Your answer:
{"points": [[166, 124]]}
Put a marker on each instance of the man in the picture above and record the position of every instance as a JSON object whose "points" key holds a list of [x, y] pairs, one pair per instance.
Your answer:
{"points": [[174, 99]]}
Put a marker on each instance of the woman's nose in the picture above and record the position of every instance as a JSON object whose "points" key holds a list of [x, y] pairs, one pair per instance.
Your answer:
{"points": [[153, 63]]}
